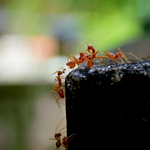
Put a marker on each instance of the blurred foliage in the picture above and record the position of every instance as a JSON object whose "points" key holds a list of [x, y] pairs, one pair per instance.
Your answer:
{"points": [[58, 6], [104, 23], [16, 112]]}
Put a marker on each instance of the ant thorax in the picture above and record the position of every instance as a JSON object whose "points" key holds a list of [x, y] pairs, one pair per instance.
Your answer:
{"points": [[90, 47], [60, 73]]}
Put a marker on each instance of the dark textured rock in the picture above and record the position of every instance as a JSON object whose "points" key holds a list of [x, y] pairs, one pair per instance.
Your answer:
{"points": [[108, 105]]}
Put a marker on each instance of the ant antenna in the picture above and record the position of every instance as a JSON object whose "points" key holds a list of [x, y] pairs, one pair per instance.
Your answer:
{"points": [[57, 70], [82, 45], [59, 124]]}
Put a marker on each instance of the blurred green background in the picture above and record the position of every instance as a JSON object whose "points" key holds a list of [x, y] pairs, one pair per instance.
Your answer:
{"points": [[105, 24], [36, 37]]}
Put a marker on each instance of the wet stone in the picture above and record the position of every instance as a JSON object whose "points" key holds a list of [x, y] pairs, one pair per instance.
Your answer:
{"points": [[107, 105]]}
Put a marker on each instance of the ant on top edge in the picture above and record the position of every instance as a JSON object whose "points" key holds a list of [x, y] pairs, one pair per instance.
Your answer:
{"points": [[87, 57], [120, 55]]}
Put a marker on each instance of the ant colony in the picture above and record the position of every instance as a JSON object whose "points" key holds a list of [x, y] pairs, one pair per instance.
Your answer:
{"points": [[88, 56]]}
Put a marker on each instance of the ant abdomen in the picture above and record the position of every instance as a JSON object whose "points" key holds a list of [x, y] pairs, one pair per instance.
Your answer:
{"points": [[58, 144]]}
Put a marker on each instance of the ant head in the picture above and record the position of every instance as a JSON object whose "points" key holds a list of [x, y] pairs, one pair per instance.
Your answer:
{"points": [[57, 135], [119, 50], [90, 47], [59, 73], [81, 54], [64, 71], [120, 54]]}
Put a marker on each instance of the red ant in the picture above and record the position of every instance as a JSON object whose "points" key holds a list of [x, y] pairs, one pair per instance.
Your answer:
{"points": [[90, 56], [84, 57], [94, 53], [76, 61], [58, 135], [67, 140], [57, 87], [58, 78], [119, 55]]}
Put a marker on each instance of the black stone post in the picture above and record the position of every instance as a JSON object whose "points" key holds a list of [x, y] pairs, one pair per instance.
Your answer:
{"points": [[108, 106]]}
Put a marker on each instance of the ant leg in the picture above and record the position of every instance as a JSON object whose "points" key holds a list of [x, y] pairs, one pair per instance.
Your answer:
{"points": [[71, 136], [104, 55], [99, 62], [78, 66], [62, 129], [83, 50], [70, 57], [125, 59], [52, 139], [134, 56], [55, 97], [82, 45], [62, 77], [59, 124], [98, 57], [61, 103], [116, 60]]}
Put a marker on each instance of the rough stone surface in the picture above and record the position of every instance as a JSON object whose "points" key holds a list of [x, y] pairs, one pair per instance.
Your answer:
{"points": [[108, 105]]}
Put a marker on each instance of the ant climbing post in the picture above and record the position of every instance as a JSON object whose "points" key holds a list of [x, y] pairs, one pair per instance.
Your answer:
{"points": [[59, 78], [58, 136], [58, 87], [60, 91], [67, 140]]}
